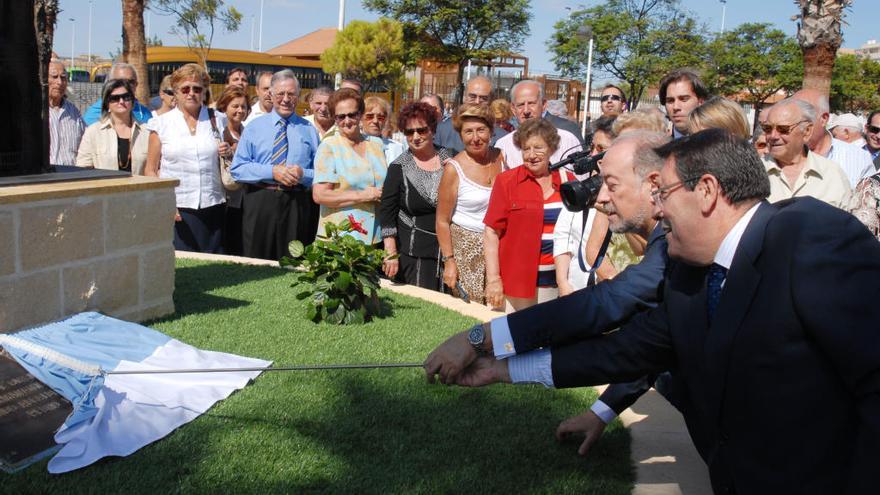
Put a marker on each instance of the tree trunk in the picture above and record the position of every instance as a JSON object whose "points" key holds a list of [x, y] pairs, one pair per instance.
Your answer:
{"points": [[818, 66], [44, 15], [134, 44]]}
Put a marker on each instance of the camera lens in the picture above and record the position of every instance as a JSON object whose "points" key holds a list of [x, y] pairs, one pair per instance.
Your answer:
{"points": [[579, 195]]}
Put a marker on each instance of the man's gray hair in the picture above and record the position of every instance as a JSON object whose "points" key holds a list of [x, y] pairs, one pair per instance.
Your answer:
{"points": [[479, 78], [645, 159], [516, 86], [285, 75], [808, 111], [118, 66]]}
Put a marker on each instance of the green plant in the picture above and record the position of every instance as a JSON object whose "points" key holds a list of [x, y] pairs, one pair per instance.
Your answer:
{"points": [[339, 273]]}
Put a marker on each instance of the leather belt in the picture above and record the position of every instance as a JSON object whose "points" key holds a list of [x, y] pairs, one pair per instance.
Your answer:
{"points": [[274, 187]]}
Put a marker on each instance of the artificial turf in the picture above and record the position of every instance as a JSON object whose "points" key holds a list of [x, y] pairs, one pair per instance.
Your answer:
{"points": [[344, 431]]}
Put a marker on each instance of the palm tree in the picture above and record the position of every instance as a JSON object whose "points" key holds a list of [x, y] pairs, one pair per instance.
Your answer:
{"points": [[819, 36], [134, 44]]}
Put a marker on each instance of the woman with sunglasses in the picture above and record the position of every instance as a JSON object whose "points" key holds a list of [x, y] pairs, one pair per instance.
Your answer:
{"points": [[117, 141], [375, 121], [349, 170], [185, 145], [408, 211], [166, 97]]}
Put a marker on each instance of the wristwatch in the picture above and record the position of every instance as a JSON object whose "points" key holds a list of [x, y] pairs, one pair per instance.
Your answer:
{"points": [[476, 337], [444, 258]]}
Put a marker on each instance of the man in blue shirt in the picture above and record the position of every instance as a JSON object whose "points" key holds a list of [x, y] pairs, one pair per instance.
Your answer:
{"points": [[120, 71], [275, 159]]}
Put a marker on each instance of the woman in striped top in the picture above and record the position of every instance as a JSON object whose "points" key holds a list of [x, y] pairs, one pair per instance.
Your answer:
{"points": [[523, 209]]}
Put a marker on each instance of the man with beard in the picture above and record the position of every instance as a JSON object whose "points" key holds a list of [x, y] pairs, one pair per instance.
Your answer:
{"points": [[66, 125]]}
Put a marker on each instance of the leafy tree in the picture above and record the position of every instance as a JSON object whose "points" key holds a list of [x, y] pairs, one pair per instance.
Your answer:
{"points": [[855, 84], [372, 52], [819, 36], [134, 45], [754, 58], [196, 20], [635, 41], [455, 31]]}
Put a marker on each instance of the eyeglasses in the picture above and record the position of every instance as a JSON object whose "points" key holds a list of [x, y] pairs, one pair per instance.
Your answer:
{"points": [[473, 97], [537, 151], [377, 116], [340, 117], [662, 193], [783, 129], [421, 131], [126, 97], [168, 92], [873, 129], [195, 89], [605, 98], [285, 95]]}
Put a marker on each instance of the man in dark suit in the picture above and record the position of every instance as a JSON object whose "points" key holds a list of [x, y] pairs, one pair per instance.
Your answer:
{"points": [[478, 90], [769, 318]]}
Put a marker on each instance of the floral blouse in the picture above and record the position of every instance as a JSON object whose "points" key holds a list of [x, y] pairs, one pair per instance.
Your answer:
{"points": [[865, 203]]}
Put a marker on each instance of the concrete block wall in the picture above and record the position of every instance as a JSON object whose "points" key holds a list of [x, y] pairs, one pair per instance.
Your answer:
{"points": [[92, 245]]}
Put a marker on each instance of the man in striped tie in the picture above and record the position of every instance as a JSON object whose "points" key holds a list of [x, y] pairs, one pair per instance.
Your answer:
{"points": [[275, 160]]}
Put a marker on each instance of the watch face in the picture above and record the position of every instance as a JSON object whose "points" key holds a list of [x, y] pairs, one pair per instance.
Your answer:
{"points": [[475, 336]]}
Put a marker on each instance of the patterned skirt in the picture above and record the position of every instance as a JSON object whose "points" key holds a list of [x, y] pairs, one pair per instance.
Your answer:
{"points": [[467, 247]]}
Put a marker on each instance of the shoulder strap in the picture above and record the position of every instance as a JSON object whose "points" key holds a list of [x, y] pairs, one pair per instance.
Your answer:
{"points": [[214, 123]]}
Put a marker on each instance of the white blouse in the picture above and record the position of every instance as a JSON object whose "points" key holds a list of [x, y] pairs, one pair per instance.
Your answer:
{"points": [[193, 160]]}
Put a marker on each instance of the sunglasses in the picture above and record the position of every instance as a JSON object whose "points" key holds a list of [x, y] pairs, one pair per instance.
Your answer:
{"points": [[873, 129], [195, 89], [168, 92], [421, 131], [340, 117], [783, 129], [120, 97], [605, 98]]}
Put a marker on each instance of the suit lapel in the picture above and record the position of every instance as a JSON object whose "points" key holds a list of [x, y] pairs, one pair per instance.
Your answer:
{"points": [[736, 298]]}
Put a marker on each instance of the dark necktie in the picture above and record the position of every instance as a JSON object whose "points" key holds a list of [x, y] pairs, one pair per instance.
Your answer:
{"points": [[714, 279], [279, 146]]}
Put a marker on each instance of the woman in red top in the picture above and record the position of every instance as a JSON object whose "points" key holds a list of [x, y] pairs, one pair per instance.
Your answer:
{"points": [[523, 208]]}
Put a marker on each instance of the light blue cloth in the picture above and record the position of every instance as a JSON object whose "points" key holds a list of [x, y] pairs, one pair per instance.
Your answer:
{"points": [[141, 113], [252, 162], [532, 367]]}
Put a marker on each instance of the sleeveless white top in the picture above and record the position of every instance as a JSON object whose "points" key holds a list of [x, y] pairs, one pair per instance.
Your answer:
{"points": [[473, 201]]}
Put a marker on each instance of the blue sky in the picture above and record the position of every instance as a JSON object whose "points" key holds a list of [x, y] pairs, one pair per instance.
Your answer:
{"points": [[284, 20]]}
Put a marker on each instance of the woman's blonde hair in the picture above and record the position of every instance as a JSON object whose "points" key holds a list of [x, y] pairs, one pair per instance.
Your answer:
{"points": [[190, 71], [719, 113], [473, 111], [647, 120], [501, 109]]}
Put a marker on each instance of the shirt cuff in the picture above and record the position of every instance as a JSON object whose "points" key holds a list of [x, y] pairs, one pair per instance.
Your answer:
{"points": [[532, 367], [502, 341], [605, 413], [308, 177]]}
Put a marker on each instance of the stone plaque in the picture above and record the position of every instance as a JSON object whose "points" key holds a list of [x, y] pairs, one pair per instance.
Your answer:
{"points": [[30, 414]]}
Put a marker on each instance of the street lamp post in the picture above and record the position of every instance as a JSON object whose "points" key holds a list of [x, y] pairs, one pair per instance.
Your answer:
{"points": [[340, 27], [89, 64], [261, 26], [586, 32], [72, 39], [723, 13]]}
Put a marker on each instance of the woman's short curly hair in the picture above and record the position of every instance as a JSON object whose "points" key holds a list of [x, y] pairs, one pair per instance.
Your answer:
{"points": [[342, 95], [190, 71], [417, 110], [537, 128], [473, 111]]}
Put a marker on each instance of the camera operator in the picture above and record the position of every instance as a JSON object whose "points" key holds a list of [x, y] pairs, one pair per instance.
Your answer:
{"points": [[629, 170]]}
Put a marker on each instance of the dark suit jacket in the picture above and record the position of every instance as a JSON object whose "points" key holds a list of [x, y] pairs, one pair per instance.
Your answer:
{"points": [[446, 137], [784, 386], [566, 124]]}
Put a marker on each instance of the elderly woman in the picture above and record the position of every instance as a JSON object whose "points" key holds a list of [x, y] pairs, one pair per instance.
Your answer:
{"points": [[185, 145], [865, 203], [349, 170], [409, 202], [117, 141], [523, 209], [233, 102], [463, 199], [374, 123], [166, 96]]}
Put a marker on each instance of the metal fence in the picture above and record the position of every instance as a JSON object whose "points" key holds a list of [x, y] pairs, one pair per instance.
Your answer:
{"points": [[83, 94]]}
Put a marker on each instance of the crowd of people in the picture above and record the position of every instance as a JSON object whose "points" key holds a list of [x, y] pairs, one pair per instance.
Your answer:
{"points": [[463, 203]]}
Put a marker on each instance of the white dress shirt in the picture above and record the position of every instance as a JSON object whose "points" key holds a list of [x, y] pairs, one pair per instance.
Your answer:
{"points": [[193, 160], [853, 159]]}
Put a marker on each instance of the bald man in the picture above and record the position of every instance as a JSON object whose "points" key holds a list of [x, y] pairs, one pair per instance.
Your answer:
{"points": [[478, 90]]}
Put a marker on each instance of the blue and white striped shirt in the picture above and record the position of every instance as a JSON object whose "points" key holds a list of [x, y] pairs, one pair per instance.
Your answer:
{"points": [[66, 128]]}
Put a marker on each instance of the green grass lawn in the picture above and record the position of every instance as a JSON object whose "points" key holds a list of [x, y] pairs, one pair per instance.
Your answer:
{"points": [[344, 431]]}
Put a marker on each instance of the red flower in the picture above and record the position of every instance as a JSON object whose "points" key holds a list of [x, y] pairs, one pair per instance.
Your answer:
{"points": [[356, 226]]}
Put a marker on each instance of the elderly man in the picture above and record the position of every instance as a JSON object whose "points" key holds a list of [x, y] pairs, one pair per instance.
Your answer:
{"points": [[527, 100], [681, 91], [794, 170], [612, 101], [120, 70], [478, 91], [848, 128], [854, 161], [66, 126], [263, 104], [872, 138], [436, 102], [275, 158], [764, 351], [320, 117]]}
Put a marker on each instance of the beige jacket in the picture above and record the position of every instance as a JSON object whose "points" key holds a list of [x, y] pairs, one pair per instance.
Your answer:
{"points": [[98, 147]]}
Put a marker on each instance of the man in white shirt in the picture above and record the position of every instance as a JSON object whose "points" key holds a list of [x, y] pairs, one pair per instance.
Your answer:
{"points": [[527, 100], [264, 97], [319, 104], [848, 128], [854, 161], [66, 125]]}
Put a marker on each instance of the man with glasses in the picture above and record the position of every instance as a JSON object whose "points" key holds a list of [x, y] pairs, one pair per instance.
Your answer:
{"points": [[65, 123], [613, 101], [120, 70], [275, 158], [855, 162], [793, 169], [872, 138], [478, 91], [320, 117]]}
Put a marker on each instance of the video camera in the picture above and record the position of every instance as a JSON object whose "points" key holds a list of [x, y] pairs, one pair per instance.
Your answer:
{"points": [[579, 195]]}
